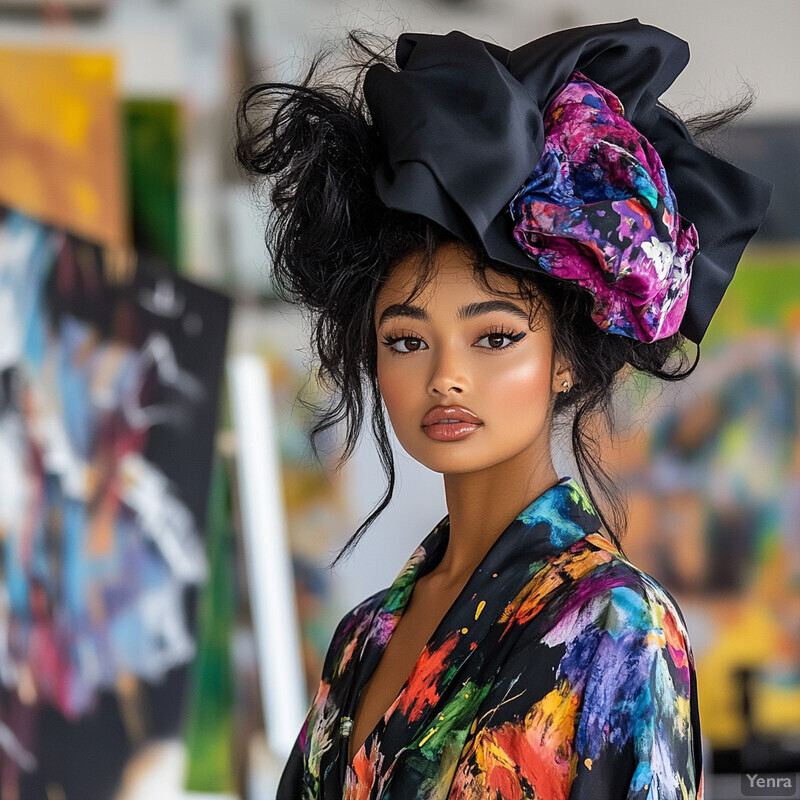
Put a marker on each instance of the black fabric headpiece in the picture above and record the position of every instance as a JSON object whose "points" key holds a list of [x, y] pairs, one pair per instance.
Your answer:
{"points": [[461, 122]]}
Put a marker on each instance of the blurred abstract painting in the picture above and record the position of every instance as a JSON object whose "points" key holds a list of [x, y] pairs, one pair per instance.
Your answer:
{"points": [[108, 400]]}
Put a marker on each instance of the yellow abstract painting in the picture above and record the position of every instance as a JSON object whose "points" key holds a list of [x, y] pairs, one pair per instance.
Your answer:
{"points": [[60, 159]]}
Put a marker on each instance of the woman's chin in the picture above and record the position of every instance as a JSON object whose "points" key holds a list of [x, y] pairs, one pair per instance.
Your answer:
{"points": [[449, 458]]}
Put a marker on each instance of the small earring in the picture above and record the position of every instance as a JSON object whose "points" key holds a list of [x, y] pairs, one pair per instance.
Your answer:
{"points": [[566, 386]]}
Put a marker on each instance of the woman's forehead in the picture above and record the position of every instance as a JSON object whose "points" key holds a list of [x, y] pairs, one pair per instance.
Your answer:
{"points": [[451, 273]]}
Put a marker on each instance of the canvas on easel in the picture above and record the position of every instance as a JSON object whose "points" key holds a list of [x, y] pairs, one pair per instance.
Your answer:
{"points": [[107, 424]]}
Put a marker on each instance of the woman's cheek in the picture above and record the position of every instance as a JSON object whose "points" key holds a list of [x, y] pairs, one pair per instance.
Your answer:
{"points": [[394, 387], [521, 394], [518, 384]]}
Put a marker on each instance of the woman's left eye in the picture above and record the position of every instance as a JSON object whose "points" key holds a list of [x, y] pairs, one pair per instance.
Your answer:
{"points": [[499, 340]]}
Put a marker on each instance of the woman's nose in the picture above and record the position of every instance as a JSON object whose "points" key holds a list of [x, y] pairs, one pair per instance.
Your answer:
{"points": [[448, 375]]}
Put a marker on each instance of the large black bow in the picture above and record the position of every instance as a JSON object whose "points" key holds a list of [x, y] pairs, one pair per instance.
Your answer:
{"points": [[461, 123]]}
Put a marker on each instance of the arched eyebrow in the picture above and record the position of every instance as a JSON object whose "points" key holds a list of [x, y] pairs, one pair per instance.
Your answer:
{"points": [[465, 312]]}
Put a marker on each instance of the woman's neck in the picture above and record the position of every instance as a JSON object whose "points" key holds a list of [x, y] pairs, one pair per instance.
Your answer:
{"points": [[482, 504]]}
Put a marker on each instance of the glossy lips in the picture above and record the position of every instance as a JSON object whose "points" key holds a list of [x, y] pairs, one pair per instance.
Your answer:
{"points": [[449, 423]]}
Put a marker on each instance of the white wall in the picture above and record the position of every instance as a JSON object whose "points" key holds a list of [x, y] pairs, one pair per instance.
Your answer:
{"points": [[730, 40]]}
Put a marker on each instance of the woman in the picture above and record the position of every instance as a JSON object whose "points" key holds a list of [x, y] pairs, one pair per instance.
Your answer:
{"points": [[487, 239]]}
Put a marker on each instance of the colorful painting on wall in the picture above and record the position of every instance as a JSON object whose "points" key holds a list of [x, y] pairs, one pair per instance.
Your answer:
{"points": [[107, 418], [61, 158], [711, 467]]}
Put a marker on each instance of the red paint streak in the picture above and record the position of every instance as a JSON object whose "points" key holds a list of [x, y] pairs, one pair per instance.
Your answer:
{"points": [[365, 769], [639, 210], [501, 782], [423, 683], [675, 643], [530, 750]]}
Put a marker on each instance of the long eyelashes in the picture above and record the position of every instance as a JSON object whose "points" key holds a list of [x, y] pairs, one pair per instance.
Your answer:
{"points": [[413, 344], [501, 333], [391, 341]]}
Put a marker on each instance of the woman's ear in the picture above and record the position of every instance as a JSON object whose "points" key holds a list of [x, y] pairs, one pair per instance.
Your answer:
{"points": [[562, 376]]}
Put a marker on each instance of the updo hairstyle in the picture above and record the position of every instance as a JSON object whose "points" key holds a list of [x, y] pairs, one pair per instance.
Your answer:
{"points": [[333, 243]]}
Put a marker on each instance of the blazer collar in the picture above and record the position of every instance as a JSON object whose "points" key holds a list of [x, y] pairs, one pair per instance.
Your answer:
{"points": [[553, 522]]}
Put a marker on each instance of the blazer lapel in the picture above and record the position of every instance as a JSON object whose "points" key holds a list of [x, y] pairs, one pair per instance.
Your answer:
{"points": [[511, 579], [354, 667]]}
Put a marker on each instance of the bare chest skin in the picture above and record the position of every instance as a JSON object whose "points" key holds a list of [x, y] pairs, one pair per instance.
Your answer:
{"points": [[424, 612]]}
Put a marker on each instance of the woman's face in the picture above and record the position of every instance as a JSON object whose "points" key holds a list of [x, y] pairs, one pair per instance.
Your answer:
{"points": [[466, 381]]}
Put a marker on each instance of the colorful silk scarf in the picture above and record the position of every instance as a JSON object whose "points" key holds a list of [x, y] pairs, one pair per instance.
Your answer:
{"points": [[598, 210]]}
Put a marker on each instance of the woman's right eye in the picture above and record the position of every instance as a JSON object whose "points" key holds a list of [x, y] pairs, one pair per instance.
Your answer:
{"points": [[404, 344]]}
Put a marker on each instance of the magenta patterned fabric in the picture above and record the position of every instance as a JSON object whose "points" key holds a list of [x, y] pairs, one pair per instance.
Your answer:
{"points": [[598, 210]]}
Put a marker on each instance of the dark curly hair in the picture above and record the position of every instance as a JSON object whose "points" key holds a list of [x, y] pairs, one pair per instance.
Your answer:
{"points": [[333, 244]]}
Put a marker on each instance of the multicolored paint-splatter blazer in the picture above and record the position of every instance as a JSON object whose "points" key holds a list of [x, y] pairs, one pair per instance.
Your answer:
{"points": [[561, 671]]}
